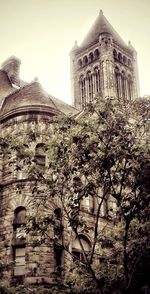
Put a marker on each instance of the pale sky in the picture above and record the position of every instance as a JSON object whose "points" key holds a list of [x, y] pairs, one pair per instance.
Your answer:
{"points": [[42, 32]]}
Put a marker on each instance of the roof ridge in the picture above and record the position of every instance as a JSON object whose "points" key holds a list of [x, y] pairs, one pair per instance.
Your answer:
{"points": [[114, 30], [53, 101]]}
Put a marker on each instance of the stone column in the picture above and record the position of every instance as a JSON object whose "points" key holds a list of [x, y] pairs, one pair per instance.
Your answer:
{"points": [[87, 89], [75, 90], [94, 84], [120, 86], [106, 57], [134, 65]]}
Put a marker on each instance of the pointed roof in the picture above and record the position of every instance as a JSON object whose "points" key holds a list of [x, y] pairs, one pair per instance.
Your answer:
{"points": [[101, 25]]}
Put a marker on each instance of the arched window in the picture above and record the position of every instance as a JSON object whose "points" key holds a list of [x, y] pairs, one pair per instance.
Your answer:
{"points": [[91, 57], [80, 62], [120, 57], [115, 54], [129, 62], [124, 59], [85, 60], [96, 53], [81, 246], [19, 216], [19, 240]]}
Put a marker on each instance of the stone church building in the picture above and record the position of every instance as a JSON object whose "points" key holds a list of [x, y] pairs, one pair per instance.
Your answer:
{"points": [[102, 66]]}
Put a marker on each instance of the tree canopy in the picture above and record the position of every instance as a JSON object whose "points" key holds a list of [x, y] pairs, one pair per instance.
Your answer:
{"points": [[97, 177]]}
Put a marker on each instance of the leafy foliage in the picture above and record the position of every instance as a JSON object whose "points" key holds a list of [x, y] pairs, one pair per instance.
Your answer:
{"points": [[102, 154]]}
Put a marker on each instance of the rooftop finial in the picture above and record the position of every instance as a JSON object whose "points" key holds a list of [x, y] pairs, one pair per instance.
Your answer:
{"points": [[101, 12], [75, 46]]}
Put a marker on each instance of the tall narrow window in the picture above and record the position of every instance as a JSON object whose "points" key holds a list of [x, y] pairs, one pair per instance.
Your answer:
{"points": [[58, 252], [97, 79], [85, 60], [115, 54], [82, 90], [19, 240], [129, 82], [91, 57], [80, 63], [19, 258], [89, 79], [96, 53], [120, 57], [19, 222], [123, 85]]}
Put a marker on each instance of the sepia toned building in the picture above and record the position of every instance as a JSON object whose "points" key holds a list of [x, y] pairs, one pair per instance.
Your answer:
{"points": [[102, 66]]}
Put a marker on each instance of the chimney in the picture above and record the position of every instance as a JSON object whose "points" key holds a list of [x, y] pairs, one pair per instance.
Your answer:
{"points": [[12, 67]]}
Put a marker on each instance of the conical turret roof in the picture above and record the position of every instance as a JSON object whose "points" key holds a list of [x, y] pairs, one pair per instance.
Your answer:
{"points": [[101, 25]]}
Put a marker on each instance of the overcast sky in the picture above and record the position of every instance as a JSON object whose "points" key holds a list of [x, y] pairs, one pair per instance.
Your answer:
{"points": [[42, 32]]}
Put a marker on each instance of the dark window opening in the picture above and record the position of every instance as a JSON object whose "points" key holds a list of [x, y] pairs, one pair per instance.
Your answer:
{"points": [[85, 60], [96, 53], [77, 255], [80, 62], [120, 57], [91, 57], [57, 212], [107, 244], [115, 54], [19, 223], [40, 159], [20, 216], [58, 250], [129, 62], [124, 60]]}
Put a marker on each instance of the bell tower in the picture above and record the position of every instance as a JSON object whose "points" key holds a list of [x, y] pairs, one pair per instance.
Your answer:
{"points": [[103, 66]]}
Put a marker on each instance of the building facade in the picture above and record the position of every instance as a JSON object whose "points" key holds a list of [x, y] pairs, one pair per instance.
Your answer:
{"points": [[103, 66]]}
